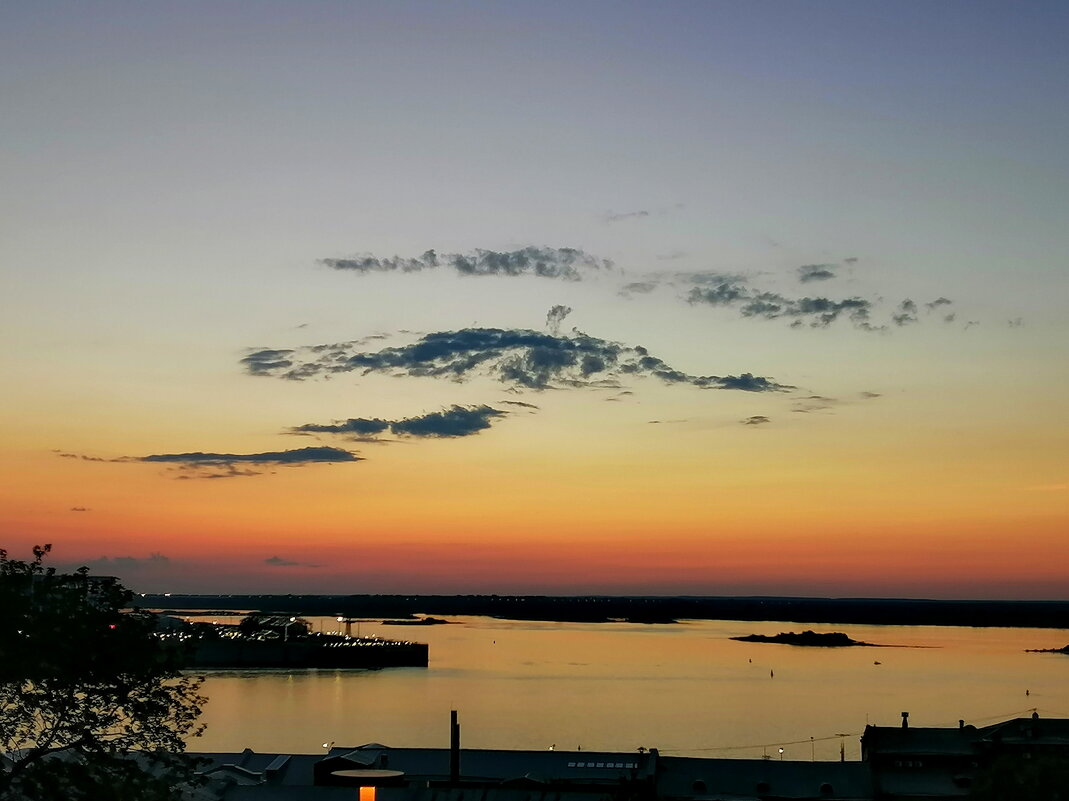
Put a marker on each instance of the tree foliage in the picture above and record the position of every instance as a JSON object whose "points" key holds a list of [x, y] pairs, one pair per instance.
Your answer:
{"points": [[92, 701]]}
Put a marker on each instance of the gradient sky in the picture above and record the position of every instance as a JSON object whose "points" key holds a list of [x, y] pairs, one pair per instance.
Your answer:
{"points": [[810, 266]]}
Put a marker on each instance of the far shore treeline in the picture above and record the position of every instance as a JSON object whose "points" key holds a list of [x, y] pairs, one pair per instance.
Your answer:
{"points": [[600, 609]]}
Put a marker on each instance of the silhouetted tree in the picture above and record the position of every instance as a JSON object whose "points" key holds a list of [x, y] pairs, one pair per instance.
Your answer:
{"points": [[92, 703]]}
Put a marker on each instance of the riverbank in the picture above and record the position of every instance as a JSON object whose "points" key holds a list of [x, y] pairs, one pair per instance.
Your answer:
{"points": [[653, 609]]}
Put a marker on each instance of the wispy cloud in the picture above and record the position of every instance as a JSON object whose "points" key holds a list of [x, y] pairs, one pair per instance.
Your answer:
{"points": [[199, 464], [127, 564], [520, 358], [756, 420], [637, 288], [521, 404], [817, 312], [808, 273], [555, 316], [267, 361], [568, 264], [457, 421], [813, 403], [905, 314], [627, 215], [751, 296], [297, 456], [278, 561]]}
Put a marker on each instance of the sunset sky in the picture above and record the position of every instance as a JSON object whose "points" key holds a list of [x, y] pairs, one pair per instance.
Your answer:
{"points": [[545, 297]]}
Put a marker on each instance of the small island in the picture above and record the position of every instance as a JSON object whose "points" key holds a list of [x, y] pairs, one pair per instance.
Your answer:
{"points": [[834, 639], [1064, 650], [417, 621]]}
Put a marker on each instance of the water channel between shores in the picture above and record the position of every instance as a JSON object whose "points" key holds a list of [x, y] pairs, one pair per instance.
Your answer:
{"points": [[685, 688]]}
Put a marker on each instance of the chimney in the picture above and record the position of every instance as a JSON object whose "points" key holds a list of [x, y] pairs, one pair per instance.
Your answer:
{"points": [[454, 747], [961, 724], [905, 720]]}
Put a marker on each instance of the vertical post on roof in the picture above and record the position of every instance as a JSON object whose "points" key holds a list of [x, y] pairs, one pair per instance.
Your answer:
{"points": [[454, 747]]}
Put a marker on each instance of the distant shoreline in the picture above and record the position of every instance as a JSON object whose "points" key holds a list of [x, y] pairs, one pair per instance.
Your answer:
{"points": [[654, 610]]}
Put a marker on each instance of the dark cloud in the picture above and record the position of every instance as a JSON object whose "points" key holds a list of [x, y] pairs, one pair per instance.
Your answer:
{"points": [[565, 263], [870, 395], [80, 509], [716, 289], [817, 312], [520, 403], [742, 293], [457, 421], [672, 256], [723, 291], [555, 316], [264, 362], [298, 456], [816, 272], [357, 426], [202, 465], [1016, 322], [520, 358], [756, 420], [905, 314], [629, 215]]}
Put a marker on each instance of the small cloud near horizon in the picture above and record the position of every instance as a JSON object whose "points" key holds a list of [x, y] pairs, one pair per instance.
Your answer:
{"points": [[200, 464], [278, 561]]}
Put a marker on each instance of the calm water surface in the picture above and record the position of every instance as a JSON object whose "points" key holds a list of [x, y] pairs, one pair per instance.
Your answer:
{"points": [[686, 689]]}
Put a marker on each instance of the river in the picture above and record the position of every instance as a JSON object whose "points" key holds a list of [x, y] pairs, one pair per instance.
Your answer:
{"points": [[686, 689]]}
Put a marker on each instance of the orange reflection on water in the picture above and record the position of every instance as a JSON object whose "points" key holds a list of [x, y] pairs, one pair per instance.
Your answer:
{"points": [[685, 688]]}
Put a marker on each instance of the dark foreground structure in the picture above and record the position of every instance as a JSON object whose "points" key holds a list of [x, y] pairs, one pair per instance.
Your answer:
{"points": [[321, 651], [1017, 760]]}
